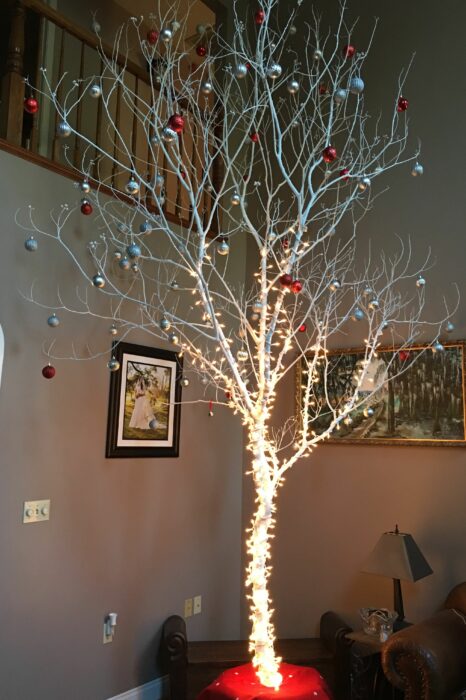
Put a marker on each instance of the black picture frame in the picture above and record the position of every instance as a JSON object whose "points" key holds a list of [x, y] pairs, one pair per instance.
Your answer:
{"points": [[141, 370]]}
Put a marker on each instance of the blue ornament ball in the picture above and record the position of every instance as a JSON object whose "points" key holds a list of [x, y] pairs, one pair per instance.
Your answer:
{"points": [[31, 244], [356, 86], [133, 250]]}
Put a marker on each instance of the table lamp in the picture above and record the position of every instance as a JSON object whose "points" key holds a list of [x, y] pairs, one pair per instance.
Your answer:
{"points": [[397, 556]]}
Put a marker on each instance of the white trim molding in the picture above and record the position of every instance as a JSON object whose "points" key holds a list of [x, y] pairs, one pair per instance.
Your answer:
{"points": [[158, 689]]}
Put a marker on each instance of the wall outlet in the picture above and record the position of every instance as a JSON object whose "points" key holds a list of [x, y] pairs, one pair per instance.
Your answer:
{"points": [[107, 637], [197, 604], [188, 607], [36, 511]]}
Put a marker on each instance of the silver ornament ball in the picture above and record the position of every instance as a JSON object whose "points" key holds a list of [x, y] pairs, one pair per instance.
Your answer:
{"points": [[417, 170], [317, 55], [257, 306], [124, 263], [334, 285], [85, 187], [340, 95], [449, 327], [95, 91], [438, 347], [185, 381], [358, 314], [274, 71], [53, 321], [117, 255], [420, 282], [113, 330], [113, 365], [174, 285], [373, 305], [240, 71], [166, 34], [132, 186], [292, 86], [98, 281], [368, 412], [356, 86], [173, 338], [364, 183], [31, 244], [206, 87], [63, 129], [223, 248], [169, 135], [135, 267], [235, 199], [164, 324]]}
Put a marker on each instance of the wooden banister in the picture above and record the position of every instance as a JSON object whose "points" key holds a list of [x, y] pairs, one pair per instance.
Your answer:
{"points": [[13, 83]]}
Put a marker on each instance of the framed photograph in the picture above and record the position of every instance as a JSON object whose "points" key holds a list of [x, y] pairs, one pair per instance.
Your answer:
{"points": [[424, 405], [144, 407]]}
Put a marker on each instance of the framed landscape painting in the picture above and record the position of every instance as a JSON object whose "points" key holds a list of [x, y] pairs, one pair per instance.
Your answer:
{"points": [[424, 405], [144, 406]]}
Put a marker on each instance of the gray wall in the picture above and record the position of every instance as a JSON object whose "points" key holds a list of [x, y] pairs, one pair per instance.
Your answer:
{"points": [[335, 505], [133, 536]]}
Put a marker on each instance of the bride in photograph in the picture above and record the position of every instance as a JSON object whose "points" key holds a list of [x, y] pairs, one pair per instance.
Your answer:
{"points": [[142, 414]]}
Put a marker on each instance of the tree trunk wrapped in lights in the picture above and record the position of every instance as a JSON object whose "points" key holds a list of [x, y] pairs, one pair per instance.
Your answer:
{"points": [[253, 122]]}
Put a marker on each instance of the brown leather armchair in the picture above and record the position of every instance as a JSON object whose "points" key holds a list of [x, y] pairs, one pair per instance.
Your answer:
{"points": [[428, 660]]}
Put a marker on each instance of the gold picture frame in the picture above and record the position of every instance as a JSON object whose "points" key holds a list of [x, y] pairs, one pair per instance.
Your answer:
{"points": [[424, 406]]}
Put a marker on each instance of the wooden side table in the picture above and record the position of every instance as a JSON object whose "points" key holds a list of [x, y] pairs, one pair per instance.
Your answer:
{"points": [[367, 680]]}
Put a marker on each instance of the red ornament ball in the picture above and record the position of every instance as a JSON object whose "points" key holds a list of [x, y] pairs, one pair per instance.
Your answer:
{"points": [[152, 36], [344, 174], [254, 136], [228, 395], [403, 355], [349, 51], [402, 104], [31, 105], [285, 243], [201, 50], [259, 17], [302, 328], [48, 372], [323, 89], [176, 122], [286, 280], [329, 154], [296, 286], [86, 208]]}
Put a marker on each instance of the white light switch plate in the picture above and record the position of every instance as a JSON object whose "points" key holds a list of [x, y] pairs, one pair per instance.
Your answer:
{"points": [[188, 607], [36, 511], [197, 604]]}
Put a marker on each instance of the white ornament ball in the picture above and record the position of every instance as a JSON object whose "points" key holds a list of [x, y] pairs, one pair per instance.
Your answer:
{"points": [[63, 129], [240, 71], [274, 71], [169, 135], [417, 170], [166, 34], [223, 248], [31, 244], [132, 186], [292, 86], [175, 25], [98, 281], [200, 29], [113, 365], [95, 91], [164, 324], [356, 86], [53, 321], [340, 95]]}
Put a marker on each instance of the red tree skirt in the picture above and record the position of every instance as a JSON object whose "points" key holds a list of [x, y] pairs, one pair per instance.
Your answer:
{"points": [[241, 683]]}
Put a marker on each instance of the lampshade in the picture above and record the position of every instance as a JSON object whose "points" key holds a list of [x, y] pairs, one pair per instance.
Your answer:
{"points": [[396, 555]]}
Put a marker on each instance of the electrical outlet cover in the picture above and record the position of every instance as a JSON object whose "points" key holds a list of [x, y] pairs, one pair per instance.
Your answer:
{"points": [[197, 604], [188, 607]]}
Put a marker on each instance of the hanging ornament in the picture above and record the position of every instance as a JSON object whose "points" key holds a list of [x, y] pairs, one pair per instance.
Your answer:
{"points": [[403, 355], [48, 371], [373, 305], [402, 105], [154, 139], [201, 29], [135, 267], [242, 355], [113, 330], [223, 248], [449, 327], [257, 306], [133, 250], [348, 420], [164, 324], [286, 280], [420, 282], [274, 71], [323, 89], [358, 314], [176, 122], [184, 381], [286, 243], [340, 95], [166, 35], [117, 255], [31, 244], [84, 186], [254, 136], [132, 187], [438, 347], [86, 207], [259, 17], [364, 183], [153, 424], [211, 409], [292, 86], [334, 285], [31, 105], [201, 50], [95, 91], [417, 169], [169, 135], [175, 25], [296, 286], [96, 26], [53, 321], [367, 291], [173, 338], [63, 129], [98, 281], [349, 51], [152, 36], [206, 87], [145, 227], [368, 412], [235, 199], [302, 328], [356, 86], [329, 154], [113, 364], [124, 263], [344, 174], [240, 71], [255, 317], [317, 55]]}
